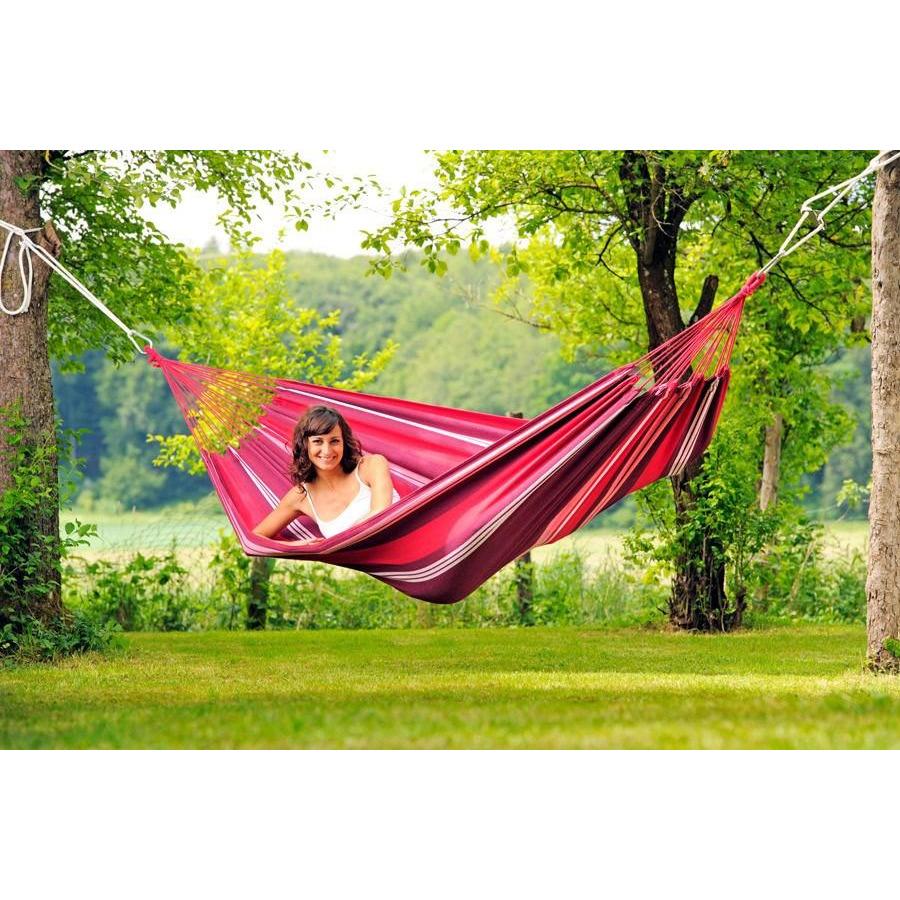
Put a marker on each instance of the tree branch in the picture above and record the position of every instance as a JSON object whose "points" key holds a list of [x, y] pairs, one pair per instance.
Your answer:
{"points": [[707, 296], [779, 270], [603, 250]]}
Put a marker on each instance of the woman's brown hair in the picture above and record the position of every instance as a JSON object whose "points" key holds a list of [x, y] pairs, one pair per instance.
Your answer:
{"points": [[320, 420]]}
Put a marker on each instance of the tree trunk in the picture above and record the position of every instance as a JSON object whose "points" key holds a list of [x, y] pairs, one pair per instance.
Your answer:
{"points": [[25, 385], [258, 603], [883, 584], [524, 578], [654, 211], [768, 488], [698, 601], [768, 491], [523, 568]]}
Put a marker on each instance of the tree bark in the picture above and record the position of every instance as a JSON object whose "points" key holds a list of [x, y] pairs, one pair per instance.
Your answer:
{"points": [[25, 383], [768, 488], [655, 212], [524, 575], [698, 601], [883, 583], [258, 603]]}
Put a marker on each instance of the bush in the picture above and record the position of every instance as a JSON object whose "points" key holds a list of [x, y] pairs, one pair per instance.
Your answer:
{"points": [[156, 593], [796, 579], [313, 595], [30, 559], [146, 593], [28, 640], [568, 591]]}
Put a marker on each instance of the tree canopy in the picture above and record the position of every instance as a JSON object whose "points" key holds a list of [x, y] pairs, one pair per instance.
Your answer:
{"points": [[622, 249]]}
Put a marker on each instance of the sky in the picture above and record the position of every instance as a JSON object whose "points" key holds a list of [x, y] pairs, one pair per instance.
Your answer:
{"points": [[193, 222]]}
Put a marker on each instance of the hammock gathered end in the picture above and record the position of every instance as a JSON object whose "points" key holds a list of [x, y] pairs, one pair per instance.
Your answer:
{"points": [[476, 490]]}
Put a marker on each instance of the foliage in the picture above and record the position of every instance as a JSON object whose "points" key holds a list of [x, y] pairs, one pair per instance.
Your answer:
{"points": [[131, 480], [578, 202], [587, 235], [727, 505], [146, 593], [25, 549], [231, 569], [570, 592], [796, 580], [267, 335], [485, 363], [839, 487], [96, 200], [28, 640], [153, 592], [316, 596]]}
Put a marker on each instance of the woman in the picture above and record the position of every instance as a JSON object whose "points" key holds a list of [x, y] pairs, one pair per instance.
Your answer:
{"points": [[334, 483]]}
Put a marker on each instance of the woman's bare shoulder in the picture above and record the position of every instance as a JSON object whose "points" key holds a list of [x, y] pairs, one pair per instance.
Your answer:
{"points": [[372, 464]]}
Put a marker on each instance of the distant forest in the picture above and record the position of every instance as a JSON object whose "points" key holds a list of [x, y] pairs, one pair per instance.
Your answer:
{"points": [[454, 348]]}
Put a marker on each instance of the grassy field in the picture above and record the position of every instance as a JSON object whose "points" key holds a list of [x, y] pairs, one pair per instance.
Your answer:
{"points": [[549, 688]]}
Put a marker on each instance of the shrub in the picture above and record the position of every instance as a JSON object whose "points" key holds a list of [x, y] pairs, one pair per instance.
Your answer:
{"points": [[29, 558], [145, 593], [28, 640], [157, 593], [796, 579]]}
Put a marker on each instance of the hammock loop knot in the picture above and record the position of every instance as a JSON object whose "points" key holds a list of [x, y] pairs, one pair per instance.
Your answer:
{"points": [[751, 285], [153, 357]]}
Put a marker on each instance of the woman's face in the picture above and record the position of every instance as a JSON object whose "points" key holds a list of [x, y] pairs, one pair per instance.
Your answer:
{"points": [[326, 450]]}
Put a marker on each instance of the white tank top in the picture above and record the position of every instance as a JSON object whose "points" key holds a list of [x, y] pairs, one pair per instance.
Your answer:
{"points": [[358, 507]]}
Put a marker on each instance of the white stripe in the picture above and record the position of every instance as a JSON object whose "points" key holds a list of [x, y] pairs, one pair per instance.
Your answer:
{"points": [[601, 475], [271, 497], [691, 443], [478, 442], [693, 436], [439, 566]]}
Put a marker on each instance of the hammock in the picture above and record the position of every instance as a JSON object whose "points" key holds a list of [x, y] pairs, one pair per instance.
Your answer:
{"points": [[476, 490]]}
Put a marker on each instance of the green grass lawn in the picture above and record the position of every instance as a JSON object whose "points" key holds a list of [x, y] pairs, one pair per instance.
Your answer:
{"points": [[556, 688]]}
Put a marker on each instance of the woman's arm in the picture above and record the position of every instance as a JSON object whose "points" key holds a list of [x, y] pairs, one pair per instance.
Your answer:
{"points": [[291, 506], [376, 474]]}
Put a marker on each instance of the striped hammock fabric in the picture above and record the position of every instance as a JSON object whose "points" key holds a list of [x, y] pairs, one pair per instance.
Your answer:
{"points": [[476, 490]]}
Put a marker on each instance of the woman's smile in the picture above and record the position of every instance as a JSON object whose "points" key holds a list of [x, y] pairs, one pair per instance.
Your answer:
{"points": [[327, 450]]}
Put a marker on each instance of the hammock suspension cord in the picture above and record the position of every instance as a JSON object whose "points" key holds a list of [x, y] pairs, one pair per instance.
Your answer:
{"points": [[807, 213], [27, 249]]}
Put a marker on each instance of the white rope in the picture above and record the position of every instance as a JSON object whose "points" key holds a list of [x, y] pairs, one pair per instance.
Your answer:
{"points": [[806, 211], [24, 257], [27, 249]]}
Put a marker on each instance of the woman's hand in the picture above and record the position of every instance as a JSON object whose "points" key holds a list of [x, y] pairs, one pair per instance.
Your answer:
{"points": [[305, 542]]}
